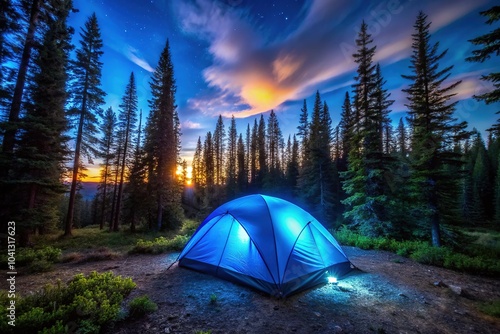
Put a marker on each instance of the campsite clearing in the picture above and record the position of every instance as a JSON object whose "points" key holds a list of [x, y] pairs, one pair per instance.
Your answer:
{"points": [[389, 294]]}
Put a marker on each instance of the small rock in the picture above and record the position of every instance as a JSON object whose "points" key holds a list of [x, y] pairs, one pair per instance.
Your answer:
{"points": [[276, 307], [167, 330], [317, 314], [402, 295], [440, 284], [456, 289]]}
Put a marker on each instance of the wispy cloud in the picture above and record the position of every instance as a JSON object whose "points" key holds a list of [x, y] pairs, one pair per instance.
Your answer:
{"points": [[191, 125], [252, 72], [135, 56]]}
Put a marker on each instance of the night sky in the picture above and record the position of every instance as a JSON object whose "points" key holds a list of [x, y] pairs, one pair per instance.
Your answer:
{"points": [[246, 57]]}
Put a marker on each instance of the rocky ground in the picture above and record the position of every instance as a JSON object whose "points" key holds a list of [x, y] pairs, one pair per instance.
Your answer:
{"points": [[386, 294]]}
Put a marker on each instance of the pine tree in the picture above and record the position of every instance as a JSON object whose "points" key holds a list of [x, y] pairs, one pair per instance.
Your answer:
{"points": [[87, 99], [198, 179], [162, 143], [219, 150], [262, 153], [315, 182], [347, 125], [303, 131], [127, 119], [42, 152], [490, 46], [9, 25], [254, 154], [136, 188], [292, 167], [366, 183], [209, 172], [232, 150], [242, 173], [107, 155], [402, 139], [434, 130], [12, 125], [274, 144]]}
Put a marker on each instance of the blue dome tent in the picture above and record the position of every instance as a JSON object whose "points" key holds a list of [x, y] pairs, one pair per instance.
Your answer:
{"points": [[267, 243]]}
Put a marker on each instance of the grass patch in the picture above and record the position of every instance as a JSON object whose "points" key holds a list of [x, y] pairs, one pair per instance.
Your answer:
{"points": [[99, 254], [491, 308], [477, 259], [87, 304], [92, 237], [160, 245]]}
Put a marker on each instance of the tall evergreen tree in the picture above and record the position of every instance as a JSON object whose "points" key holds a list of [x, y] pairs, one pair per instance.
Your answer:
{"points": [[9, 25], [198, 165], [402, 138], [209, 172], [87, 99], [219, 137], [126, 122], [365, 180], [254, 154], [232, 150], [162, 143], [315, 182], [490, 46], [107, 155], [136, 188], [274, 140], [303, 130], [242, 172], [262, 153], [42, 150], [434, 130], [346, 128], [292, 167], [33, 9]]}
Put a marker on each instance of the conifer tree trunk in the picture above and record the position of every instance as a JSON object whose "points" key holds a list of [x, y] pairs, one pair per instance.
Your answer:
{"points": [[15, 109]]}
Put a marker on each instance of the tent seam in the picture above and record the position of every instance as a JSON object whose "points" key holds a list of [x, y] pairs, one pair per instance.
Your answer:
{"points": [[256, 247], [196, 243], [225, 244], [293, 247], [274, 239], [319, 251]]}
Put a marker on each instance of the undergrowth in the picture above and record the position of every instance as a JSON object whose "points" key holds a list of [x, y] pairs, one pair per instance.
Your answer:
{"points": [[87, 304], [160, 245], [477, 260], [35, 260], [141, 306], [491, 308]]}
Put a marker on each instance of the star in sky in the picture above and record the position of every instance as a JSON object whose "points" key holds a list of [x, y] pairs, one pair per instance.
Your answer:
{"points": [[243, 58]]}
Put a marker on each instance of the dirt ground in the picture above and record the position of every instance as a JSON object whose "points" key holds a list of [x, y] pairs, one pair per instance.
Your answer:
{"points": [[387, 294]]}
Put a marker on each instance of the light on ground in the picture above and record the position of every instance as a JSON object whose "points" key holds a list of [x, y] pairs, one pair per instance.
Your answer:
{"points": [[332, 280]]}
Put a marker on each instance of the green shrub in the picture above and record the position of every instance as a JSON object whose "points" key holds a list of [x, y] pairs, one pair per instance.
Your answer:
{"points": [[160, 245], [482, 259], [141, 306], [428, 254], [27, 256], [86, 303], [189, 226]]}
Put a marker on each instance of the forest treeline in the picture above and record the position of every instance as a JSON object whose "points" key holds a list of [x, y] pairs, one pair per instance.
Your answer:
{"points": [[412, 181]]}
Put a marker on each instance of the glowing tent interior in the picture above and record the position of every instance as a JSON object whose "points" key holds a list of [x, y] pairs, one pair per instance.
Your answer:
{"points": [[267, 243]]}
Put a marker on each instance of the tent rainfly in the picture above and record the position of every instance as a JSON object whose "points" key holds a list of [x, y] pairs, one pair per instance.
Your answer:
{"points": [[267, 243]]}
